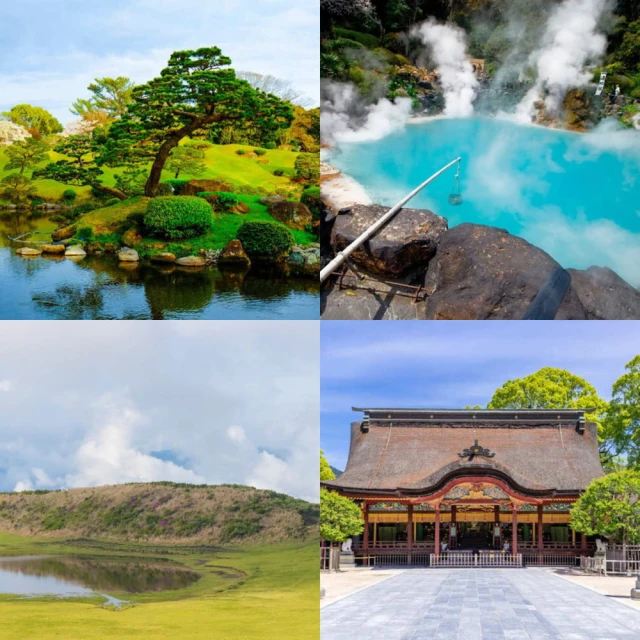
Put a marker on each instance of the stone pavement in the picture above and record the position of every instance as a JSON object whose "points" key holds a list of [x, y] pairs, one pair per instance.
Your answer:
{"points": [[478, 604]]}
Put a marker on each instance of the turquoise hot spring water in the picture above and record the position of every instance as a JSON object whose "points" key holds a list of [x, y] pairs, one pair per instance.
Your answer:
{"points": [[577, 196]]}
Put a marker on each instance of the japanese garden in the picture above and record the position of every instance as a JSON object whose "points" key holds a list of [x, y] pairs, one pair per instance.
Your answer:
{"points": [[194, 195]]}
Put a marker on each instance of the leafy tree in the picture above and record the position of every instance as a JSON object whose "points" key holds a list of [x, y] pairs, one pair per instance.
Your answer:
{"points": [[325, 469], [551, 388], [25, 154], [305, 130], [17, 188], [623, 416], [609, 507], [81, 169], [186, 159], [36, 120], [131, 181], [193, 94], [283, 89], [340, 517], [629, 50], [110, 95]]}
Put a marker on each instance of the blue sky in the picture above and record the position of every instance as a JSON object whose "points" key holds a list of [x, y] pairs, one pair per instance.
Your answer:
{"points": [[51, 51], [93, 403], [453, 364]]}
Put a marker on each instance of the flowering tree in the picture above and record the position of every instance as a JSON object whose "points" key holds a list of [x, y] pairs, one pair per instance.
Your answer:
{"points": [[11, 132]]}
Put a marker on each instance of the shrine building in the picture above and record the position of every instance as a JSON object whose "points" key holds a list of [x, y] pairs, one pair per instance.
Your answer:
{"points": [[473, 479]]}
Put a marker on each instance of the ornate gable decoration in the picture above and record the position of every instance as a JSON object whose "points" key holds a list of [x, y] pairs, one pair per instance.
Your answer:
{"points": [[475, 491], [476, 450]]}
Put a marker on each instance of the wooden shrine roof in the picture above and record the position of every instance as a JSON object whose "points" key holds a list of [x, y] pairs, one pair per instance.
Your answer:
{"points": [[417, 451]]}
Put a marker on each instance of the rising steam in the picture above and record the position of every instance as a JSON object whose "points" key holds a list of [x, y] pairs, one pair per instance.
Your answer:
{"points": [[345, 117], [571, 41], [448, 47]]}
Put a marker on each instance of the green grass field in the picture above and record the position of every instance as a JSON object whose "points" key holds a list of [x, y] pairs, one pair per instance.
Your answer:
{"points": [[222, 162], [269, 593]]}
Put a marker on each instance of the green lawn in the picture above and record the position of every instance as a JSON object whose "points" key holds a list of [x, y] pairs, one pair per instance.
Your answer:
{"points": [[259, 593], [222, 161]]}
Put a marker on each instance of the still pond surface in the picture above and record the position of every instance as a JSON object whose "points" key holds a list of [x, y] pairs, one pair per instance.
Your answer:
{"points": [[57, 288], [68, 576]]}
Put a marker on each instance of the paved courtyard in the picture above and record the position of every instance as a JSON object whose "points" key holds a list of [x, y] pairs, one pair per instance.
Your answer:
{"points": [[487, 604]]}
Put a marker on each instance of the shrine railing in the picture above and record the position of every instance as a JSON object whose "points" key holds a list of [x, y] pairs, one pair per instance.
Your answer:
{"points": [[550, 559], [605, 566], [425, 544], [555, 546], [487, 559], [329, 559]]}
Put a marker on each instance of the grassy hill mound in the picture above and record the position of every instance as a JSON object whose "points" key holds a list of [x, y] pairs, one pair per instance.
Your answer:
{"points": [[161, 511]]}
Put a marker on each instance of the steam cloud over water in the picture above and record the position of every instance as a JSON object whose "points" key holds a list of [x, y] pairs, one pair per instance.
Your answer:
{"points": [[571, 41], [448, 47], [345, 117]]}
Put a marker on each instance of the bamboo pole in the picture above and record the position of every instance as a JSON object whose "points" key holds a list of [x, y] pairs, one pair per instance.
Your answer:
{"points": [[341, 256]]}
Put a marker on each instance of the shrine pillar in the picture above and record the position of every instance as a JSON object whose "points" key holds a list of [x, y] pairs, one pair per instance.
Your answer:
{"points": [[514, 530], [453, 528], [540, 531], [365, 538], [409, 532], [437, 535]]}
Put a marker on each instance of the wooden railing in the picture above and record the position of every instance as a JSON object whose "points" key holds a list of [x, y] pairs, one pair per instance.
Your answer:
{"points": [[329, 559], [487, 559], [554, 546], [550, 559]]}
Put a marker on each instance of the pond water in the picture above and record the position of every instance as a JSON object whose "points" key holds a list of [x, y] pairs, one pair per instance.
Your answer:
{"points": [[83, 576], [52, 288], [577, 196]]}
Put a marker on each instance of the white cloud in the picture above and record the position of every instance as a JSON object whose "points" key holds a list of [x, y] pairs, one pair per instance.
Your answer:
{"points": [[5, 385], [236, 434]]}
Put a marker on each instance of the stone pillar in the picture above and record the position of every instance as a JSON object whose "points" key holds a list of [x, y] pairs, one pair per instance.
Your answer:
{"points": [[365, 538], [540, 528], [437, 537], [514, 530], [409, 531]]}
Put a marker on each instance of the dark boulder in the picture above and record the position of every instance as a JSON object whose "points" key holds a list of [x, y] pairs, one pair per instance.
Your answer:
{"points": [[485, 273], [605, 295], [294, 215], [404, 244], [194, 187], [234, 255]]}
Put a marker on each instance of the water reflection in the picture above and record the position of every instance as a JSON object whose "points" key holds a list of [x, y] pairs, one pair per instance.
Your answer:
{"points": [[101, 288], [77, 575]]}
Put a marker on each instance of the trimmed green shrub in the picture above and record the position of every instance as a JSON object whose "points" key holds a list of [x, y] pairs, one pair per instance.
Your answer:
{"points": [[260, 152], [220, 200], [176, 185], [164, 189], [363, 38], [176, 218], [69, 195], [311, 197], [85, 234], [241, 152], [270, 145], [265, 240], [278, 172]]}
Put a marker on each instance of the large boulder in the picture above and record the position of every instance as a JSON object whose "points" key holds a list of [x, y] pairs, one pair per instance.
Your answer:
{"points": [[233, 255], [305, 261], [128, 255], [269, 200], [406, 243], [191, 261], [294, 215], [53, 248], [194, 187], [163, 257], [605, 295], [485, 273], [29, 252], [64, 233], [76, 251]]}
